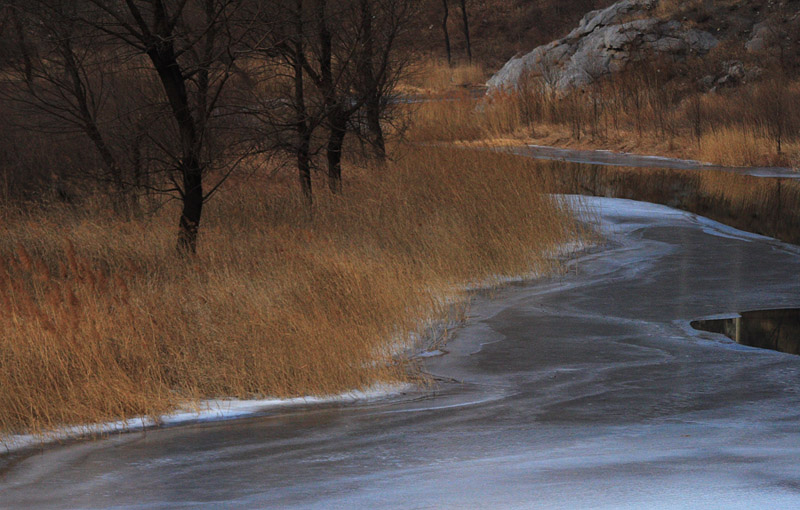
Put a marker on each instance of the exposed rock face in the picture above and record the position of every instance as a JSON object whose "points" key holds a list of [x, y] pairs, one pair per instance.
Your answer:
{"points": [[603, 43], [732, 73], [762, 33]]}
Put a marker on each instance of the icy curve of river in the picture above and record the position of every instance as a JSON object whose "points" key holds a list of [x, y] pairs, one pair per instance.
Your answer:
{"points": [[588, 390]]}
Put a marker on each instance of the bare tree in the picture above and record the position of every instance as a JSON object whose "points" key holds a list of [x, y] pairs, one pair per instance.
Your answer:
{"points": [[217, 78], [338, 60], [385, 24], [180, 52], [343, 61], [286, 115], [304, 126], [445, 15], [359, 71], [190, 49], [59, 75], [465, 23]]}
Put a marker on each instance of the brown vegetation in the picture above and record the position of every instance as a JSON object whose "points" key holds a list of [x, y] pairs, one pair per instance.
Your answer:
{"points": [[639, 111], [128, 113], [434, 78], [736, 105], [103, 319]]}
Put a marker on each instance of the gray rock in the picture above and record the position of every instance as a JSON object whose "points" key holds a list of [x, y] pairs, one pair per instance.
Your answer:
{"points": [[603, 43], [609, 16], [732, 73], [734, 69], [670, 45], [700, 41], [762, 33], [735, 72], [707, 82]]}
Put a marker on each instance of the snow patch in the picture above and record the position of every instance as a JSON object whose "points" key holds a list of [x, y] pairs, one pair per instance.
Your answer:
{"points": [[200, 412]]}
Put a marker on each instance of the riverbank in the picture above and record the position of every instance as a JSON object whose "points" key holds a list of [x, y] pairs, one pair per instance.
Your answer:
{"points": [[588, 389], [203, 411], [764, 200], [103, 321], [731, 132]]}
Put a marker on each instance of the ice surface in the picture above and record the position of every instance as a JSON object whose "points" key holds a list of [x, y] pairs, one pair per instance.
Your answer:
{"points": [[585, 390], [199, 412], [609, 158]]}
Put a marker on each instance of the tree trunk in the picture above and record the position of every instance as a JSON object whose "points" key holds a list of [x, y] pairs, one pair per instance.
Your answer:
{"points": [[302, 127], [376, 131], [446, 33], [338, 130], [337, 122], [465, 20], [373, 87], [172, 80], [192, 206], [304, 167]]}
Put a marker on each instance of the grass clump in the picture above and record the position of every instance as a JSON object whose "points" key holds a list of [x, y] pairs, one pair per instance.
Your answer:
{"points": [[102, 320], [638, 110], [435, 77]]}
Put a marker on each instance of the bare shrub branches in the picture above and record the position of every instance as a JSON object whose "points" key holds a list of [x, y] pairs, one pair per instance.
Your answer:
{"points": [[173, 95]]}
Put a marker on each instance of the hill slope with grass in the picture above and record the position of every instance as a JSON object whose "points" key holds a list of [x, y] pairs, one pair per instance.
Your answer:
{"points": [[758, 34], [711, 81]]}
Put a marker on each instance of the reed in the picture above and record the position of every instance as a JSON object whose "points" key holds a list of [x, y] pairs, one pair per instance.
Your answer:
{"points": [[102, 320], [640, 111], [434, 77]]}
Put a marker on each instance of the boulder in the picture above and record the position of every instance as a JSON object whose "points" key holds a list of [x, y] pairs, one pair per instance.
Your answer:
{"points": [[759, 40], [732, 73], [603, 43]]}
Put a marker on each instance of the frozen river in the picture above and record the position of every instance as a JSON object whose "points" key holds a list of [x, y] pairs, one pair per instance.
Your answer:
{"points": [[589, 390], [609, 158]]}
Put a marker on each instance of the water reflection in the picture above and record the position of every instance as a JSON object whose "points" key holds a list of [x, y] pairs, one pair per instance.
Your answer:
{"points": [[778, 330]]}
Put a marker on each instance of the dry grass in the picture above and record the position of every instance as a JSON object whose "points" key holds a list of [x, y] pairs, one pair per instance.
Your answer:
{"points": [[670, 8], [639, 112], [735, 146], [463, 118], [102, 320], [634, 112], [432, 76]]}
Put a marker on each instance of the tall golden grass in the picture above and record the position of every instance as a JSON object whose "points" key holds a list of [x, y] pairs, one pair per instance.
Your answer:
{"points": [[463, 118], [102, 320], [434, 77], [632, 112], [736, 146], [736, 137]]}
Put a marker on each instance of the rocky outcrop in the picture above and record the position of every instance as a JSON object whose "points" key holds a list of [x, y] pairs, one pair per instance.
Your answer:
{"points": [[603, 43], [732, 73], [763, 35]]}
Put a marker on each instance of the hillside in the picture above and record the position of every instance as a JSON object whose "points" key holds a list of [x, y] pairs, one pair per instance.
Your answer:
{"points": [[500, 28], [711, 81], [719, 43]]}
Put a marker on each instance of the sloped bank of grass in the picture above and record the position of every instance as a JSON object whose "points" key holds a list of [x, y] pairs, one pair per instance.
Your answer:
{"points": [[101, 319], [754, 126], [768, 206]]}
